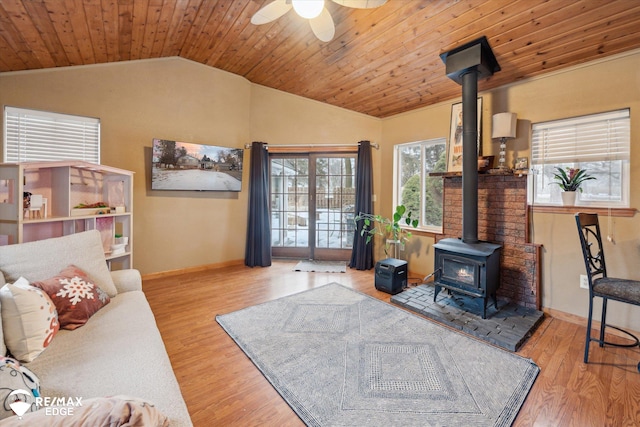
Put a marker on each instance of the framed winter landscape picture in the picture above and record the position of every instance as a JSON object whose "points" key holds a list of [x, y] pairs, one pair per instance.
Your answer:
{"points": [[197, 167]]}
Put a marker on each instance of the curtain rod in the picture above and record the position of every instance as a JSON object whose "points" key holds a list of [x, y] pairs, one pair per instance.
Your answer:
{"points": [[373, 144]]}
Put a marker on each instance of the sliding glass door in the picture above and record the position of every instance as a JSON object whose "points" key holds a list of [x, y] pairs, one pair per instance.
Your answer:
{"points": [[312, 205]]}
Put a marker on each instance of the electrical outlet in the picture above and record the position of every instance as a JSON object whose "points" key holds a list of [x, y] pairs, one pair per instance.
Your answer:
{"points": [[584, 282]]}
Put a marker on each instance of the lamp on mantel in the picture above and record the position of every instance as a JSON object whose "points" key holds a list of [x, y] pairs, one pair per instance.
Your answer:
{"points": [[504, 126]]}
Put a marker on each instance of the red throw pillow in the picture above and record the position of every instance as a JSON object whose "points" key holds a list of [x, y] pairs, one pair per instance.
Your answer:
{"points": [[75, 296]]}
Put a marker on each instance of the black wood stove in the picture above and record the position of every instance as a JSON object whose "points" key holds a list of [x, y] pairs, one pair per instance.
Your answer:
{"points": [[469, 268], [467, 265]]}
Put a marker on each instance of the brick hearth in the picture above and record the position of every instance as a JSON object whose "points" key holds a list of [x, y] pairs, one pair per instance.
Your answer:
{"points": [[502, 218]]}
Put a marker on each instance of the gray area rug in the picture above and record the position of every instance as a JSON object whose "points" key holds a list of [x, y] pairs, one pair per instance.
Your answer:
{"points": [[322, 266], [342, 358]]}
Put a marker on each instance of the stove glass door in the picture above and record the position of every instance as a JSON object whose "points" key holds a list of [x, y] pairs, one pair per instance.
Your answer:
{"points": [[461, 271]]}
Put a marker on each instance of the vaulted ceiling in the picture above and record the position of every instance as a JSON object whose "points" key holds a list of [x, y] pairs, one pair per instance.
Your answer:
{"points": [[381, 62]]}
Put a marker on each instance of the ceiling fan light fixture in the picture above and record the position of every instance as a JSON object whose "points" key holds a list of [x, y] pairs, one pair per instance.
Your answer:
{"points": [[308, 8]]}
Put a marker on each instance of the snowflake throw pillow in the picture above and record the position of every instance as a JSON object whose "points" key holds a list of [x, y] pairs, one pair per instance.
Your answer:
{"points": [[75, 296]]}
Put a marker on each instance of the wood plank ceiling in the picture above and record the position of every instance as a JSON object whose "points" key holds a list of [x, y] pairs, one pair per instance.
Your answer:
{"points": [[381, 62]]}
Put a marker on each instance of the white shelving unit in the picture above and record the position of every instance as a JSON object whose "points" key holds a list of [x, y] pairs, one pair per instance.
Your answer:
{"points": [[65, 186]]}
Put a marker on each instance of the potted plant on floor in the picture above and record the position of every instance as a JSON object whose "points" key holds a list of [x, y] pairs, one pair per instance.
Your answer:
{"points": [[390, 228], [570, 180]]}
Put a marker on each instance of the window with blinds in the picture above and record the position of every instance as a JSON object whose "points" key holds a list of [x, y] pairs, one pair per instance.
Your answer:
{"points": [[598, 143], [31, 135]]}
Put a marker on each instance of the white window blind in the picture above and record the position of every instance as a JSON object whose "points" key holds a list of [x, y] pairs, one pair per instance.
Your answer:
{"points": [[31, 135], [595, 137], [598, 143]]}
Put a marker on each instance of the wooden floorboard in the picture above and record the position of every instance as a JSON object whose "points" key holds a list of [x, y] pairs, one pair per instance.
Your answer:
{"points": [[223, 388]]}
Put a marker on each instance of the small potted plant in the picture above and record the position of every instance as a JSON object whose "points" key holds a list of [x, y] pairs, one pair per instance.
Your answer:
{"points": [[570, 180], [390, 228]]}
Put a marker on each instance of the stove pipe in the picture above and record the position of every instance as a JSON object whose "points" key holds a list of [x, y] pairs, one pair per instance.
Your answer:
{"points": [[470, 157], [465, 65]]}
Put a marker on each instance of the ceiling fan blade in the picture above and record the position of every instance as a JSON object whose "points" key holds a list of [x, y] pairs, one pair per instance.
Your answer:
{"points": [[323, 26], [361, 4], [271, 12]]}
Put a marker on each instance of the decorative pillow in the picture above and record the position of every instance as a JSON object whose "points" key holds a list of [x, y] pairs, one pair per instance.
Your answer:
{"points": [[17, 383], [29, 319], [75, 296]]}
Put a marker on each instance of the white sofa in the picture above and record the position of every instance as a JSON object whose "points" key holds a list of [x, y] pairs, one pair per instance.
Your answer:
{"points": [[119, 351]]}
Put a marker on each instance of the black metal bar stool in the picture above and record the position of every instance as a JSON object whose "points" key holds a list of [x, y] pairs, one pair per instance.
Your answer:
{"points": [[601, 285]]}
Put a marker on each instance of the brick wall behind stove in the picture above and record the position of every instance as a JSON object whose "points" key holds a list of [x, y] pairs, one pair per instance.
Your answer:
{"points": [[502, 219]]}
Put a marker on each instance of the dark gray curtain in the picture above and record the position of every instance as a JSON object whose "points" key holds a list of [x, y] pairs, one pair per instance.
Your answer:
{"points": [[258, 247], [362, 253]]}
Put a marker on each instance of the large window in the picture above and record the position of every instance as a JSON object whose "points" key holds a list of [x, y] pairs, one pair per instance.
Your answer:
{"points": [[598, 143], [31, 135], [413, 187]]}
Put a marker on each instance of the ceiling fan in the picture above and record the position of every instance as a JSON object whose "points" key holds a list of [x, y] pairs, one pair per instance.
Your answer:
{"points": [[319, 17]]}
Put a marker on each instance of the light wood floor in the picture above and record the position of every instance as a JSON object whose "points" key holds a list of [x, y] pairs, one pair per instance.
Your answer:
{"points": [[223, 388]]}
